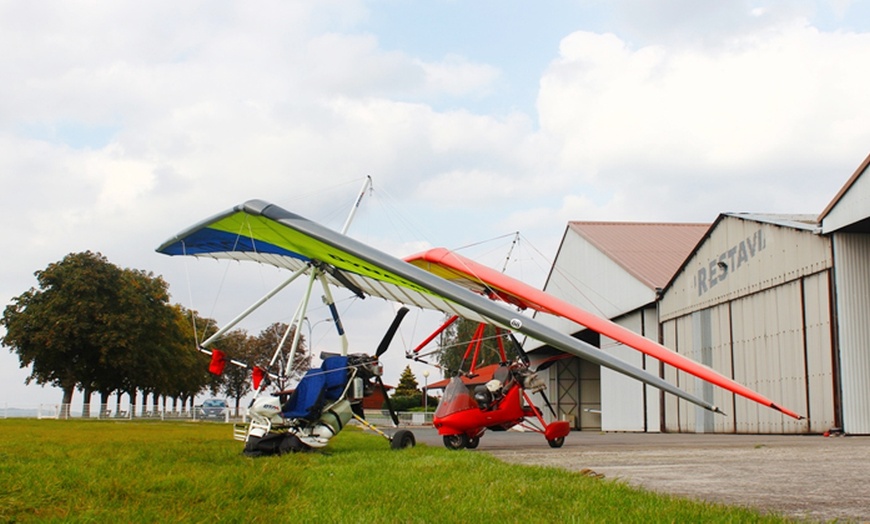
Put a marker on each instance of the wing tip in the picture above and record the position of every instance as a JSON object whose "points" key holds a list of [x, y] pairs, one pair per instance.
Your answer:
{"points": [[790, 413]]}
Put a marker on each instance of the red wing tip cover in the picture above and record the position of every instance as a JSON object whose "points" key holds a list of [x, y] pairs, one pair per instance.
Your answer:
{"points": [[790, 413]]}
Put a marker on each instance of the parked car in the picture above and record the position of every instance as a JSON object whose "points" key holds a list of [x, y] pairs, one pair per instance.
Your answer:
{"points": [[214, 408]]}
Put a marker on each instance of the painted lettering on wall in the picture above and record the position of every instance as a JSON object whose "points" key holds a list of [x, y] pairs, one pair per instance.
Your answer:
{"points": [[729, 261]]}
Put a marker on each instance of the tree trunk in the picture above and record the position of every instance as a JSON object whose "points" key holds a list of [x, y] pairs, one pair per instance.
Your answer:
{"points": [[66, 401], [132, 402], [86, 402], [118, 404], [104, 403]]}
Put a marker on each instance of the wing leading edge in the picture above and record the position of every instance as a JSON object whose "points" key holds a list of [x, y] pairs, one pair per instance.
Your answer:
{"points": [[263, 232], [485, 280]]}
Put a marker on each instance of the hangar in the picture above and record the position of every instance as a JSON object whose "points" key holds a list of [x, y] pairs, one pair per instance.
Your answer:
{"points": [[780, 303]]}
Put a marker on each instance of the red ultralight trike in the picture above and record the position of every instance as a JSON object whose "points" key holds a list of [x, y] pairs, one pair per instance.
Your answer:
{"points": [[465, 413]]}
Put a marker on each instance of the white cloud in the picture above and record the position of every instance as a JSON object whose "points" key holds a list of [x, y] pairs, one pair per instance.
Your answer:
{"points": [[126, 122], [684, 119], [456, 75]]}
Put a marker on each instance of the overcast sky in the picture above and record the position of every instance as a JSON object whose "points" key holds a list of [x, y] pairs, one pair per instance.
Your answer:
{"points": [[122, 123]]}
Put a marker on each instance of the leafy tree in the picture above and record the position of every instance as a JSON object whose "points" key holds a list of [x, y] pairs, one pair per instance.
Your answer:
{"points": [[191, 366], [407, 384], [236, 380], [455, 341], [407, 394], [59, 329], [263, 347], [94, 326]]}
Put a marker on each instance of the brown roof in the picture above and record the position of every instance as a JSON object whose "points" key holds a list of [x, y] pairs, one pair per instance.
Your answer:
{"points": [[651, 252], [481, 376]]}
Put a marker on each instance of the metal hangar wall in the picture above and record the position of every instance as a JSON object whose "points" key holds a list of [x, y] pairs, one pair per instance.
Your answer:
{"points": [[779, 303], [753, 302], [613, 269]]}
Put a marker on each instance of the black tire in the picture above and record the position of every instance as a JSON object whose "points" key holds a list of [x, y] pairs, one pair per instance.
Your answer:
{"points": [[456, 441], [556, 442], [473, 442], [403, 439]]}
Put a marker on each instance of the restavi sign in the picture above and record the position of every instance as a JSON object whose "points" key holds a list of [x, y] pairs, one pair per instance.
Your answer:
{"points": [[729, 261]]}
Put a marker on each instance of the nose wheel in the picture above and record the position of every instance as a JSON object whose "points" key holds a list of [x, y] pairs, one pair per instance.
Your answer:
{"points": [[456, 441]]}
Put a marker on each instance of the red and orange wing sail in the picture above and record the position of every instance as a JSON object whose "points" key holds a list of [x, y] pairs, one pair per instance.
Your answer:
{"points": [[482, 279]]}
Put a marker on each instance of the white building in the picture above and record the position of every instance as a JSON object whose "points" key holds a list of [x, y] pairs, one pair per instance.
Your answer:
{"points": [[779, 303]]}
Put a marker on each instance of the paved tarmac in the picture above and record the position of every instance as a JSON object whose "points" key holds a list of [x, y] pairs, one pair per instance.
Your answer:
{"points": [[803, 476]]}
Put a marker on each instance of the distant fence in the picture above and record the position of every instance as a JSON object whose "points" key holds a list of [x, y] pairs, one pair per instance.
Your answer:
{"points": [[67, 411], [61, 411]]}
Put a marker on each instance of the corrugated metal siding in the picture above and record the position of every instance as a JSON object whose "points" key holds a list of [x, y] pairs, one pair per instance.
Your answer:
{"points": [[653, 395], [761, 342], [627, 404], [704, 337], [852, 274], [685, 335], [722, 355], [819, 351], [622, 406], [754, 256], [768, 357]]}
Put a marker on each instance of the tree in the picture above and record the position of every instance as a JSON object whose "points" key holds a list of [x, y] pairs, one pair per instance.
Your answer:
{"points": [[263, 348], [190, 374], [94, 326], [58, 329], [236, 380], [407, 384], [407, 395], [454, 344]]}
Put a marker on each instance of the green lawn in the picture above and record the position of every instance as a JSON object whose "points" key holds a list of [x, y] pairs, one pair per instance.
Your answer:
{"points": [[130, 471]]}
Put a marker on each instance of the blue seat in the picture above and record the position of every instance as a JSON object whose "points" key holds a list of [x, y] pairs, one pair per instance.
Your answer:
{"points": [[335, 371], [308, 399]]}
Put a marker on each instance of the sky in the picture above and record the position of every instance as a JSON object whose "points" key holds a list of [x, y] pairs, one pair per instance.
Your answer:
{"points": [[123, 123]]}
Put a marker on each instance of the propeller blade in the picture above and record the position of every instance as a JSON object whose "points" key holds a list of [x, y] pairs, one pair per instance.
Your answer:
{"points": [[393, 414], [519, 348], [547, 402], [391, 332], [550, 361]]}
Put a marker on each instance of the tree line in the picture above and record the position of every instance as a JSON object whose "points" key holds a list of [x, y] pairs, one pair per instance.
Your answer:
{"points": [[92, 326]]}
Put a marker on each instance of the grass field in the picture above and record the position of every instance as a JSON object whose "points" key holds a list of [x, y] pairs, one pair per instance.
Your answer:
{"points": [[104, 471]]}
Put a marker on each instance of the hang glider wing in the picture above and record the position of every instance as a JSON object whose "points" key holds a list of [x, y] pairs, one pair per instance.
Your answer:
{"points": [[489, 282], [266, 233]]}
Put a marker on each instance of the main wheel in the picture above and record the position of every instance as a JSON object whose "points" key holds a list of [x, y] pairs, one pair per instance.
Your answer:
{"points": [[456, 441], [403, 439], [473, 442], [556, 442]]}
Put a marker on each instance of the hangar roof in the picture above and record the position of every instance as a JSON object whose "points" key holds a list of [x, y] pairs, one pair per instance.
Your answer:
{"points": [[651, 252], [848, 210]]}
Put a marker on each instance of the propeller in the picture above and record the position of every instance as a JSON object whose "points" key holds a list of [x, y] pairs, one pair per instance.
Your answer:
{"points": [[382, 348], [524, 357], [391, 332], [393, 414], [544, 365], [551, 360]]}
